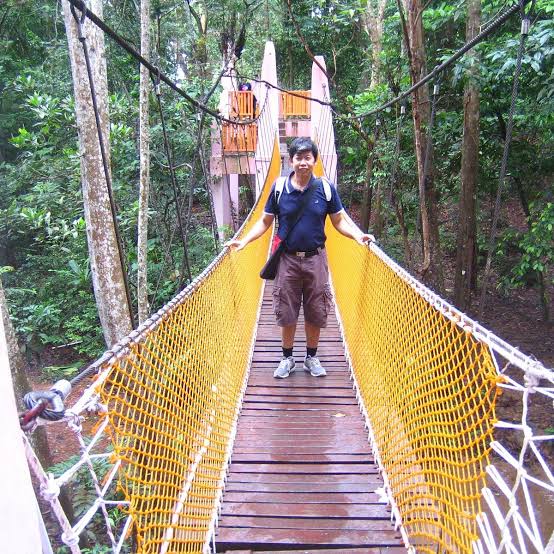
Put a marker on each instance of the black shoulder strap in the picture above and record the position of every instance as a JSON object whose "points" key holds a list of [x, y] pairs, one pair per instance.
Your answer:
{"points": [[300, 210]]}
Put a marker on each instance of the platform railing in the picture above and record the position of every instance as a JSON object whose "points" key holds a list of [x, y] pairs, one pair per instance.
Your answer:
{"points": [[242, 104], [239, 138], [295, 103]]}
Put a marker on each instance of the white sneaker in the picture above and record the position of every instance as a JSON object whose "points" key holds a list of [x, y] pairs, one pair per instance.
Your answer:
{"points": [[286, 367], [313, 365]]}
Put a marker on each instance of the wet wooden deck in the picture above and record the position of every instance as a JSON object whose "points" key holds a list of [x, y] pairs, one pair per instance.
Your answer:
{"points": [[302, 477]]}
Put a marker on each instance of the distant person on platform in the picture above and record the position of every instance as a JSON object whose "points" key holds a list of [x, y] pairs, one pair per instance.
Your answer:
{"points": [[247, 87], [303, 275]]}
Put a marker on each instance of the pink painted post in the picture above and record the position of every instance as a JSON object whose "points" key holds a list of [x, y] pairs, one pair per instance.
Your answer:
{"points": [[21, 522], [220, 182], [322, 120], [268, 124], [234, 196]]}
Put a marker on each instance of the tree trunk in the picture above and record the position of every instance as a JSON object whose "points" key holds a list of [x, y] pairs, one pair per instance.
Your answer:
{"points": [[373, 23], [421, 116], [378, 222], [144, 140], [467, 230], [21, 384], [107, 273], [365, 209]]}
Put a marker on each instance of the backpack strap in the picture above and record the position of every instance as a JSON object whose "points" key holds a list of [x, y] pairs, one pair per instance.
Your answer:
{"points": [[327, 188], [279, 186]]}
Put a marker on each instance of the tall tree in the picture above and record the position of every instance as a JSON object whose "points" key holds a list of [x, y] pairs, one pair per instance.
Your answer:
{"points": [[413, 35], [105, 259], [373, 24], [464, 279], [144, 180]]}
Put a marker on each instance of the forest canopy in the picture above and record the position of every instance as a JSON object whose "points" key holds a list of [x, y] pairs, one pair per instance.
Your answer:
{"points": [[369, 47]]}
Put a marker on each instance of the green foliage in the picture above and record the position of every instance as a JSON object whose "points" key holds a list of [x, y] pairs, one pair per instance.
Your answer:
{"points": [[536, 247], [54, 373], [42, 228]]}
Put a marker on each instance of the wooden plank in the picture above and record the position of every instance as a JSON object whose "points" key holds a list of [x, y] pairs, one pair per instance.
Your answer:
{"points": [[307, 538], [299, 391], [294, 497], [316, 417], [341, 511], [283, 447], [302, 458], [304, 523], [302, 473], [304, 469], [275, 427], [289, 399], [232, 486], [286, 478], [292, 403], [354, 550], [300, 431]]}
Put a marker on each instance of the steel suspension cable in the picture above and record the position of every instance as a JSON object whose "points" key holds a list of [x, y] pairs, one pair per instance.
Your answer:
{"points": [[121, 253], [494, 24], [525, 22]]}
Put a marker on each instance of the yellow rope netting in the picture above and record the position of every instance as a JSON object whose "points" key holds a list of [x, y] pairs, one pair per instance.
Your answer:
{"points": [[429, 391], [174, 395]]}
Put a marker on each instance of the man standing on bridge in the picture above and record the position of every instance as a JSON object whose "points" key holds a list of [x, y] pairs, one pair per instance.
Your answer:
{"points": [[303, 275]]}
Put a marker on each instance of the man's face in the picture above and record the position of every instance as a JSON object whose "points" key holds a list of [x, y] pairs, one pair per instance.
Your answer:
{"points": [[303, 163]]}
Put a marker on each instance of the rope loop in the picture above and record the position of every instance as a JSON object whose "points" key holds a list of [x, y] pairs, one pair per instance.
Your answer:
{"points": [[526, 15], [80, 21]]}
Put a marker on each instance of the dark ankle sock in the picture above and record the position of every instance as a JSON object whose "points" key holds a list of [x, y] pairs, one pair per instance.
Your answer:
{"points": [[287, 352], [311, 352]]}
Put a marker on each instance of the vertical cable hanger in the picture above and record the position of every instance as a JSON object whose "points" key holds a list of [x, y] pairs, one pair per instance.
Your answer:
{"points": [[525, 24], [173, 179]]}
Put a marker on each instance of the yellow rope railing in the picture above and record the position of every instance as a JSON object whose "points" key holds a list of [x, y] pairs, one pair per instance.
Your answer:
{"points": [[173, 396], [428, 389]]}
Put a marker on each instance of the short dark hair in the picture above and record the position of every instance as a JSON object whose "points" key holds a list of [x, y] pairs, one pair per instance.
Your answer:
{"points": [[302, 144]]}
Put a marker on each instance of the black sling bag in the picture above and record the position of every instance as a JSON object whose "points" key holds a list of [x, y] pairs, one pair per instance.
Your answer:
{"points": [[269, 270]]}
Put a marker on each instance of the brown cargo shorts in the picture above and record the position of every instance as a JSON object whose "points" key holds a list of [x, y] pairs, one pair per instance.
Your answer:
{"points": [[302, 281]]}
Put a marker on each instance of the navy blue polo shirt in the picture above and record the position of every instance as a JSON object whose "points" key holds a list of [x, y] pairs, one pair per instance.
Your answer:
{"points": [[309, 232]]}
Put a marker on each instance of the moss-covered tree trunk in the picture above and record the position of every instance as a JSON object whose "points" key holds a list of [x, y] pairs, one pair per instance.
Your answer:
{"points": [[107, 272], [144, 178]]}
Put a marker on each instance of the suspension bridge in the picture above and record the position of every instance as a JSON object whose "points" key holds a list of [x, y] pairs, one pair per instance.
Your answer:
{"points": [[198, 449]]}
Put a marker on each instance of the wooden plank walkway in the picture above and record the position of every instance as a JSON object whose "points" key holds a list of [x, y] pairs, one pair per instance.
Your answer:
{"points": [[302, 477]]}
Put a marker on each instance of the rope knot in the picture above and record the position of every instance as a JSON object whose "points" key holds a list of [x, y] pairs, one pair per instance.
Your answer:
{"points": [[531, 380], [70, 538], [51, 490]]}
